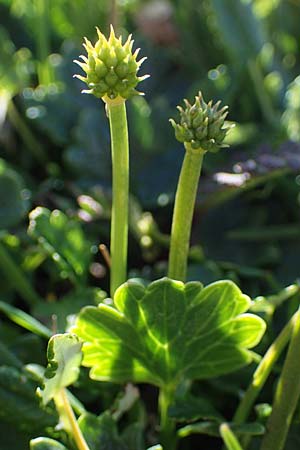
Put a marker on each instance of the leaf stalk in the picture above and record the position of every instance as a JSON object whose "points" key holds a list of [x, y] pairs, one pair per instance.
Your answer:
{"points": [[76, 432], [168, 435]]}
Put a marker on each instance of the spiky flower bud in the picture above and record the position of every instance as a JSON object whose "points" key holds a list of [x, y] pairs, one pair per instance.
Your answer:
{"points": [[111, 67], [202, 125]]}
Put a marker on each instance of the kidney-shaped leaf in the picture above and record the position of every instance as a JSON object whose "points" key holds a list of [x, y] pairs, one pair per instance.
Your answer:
{"points": [[64, 359], [168, 331]]}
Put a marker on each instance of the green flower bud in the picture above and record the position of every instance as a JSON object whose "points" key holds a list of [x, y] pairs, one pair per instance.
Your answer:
{"points": [[202, 125], [111, 67]]}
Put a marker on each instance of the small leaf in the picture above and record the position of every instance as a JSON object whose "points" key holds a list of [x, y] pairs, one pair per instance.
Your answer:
{"points": [[43, 443], [68, 305], [190, 408], [25, 320], [100, 432], [63, 239], [169, 331], [64, 358], [124, 401], [213, 429]]}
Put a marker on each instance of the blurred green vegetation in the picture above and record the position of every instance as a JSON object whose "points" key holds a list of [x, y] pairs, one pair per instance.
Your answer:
{"points": [[54, 150]]}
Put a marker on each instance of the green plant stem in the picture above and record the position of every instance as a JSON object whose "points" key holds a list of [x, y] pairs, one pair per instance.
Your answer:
{"points": [[229, 438], [27, 136], [262, 95], [183, 212], [76, 432], [43, 41], [168, 436], [17, 278], [119, 215], [286, 395], [263, 371]]}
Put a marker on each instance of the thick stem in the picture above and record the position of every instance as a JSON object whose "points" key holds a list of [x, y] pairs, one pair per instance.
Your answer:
{"points": [[78, 437], [168, 437], [286, 396], [119, 215], [263, 371], [16, 277], [183, 213]]}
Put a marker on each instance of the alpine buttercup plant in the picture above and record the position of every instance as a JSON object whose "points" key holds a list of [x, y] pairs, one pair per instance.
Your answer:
{"points": [[201, 128], [167, 333], [111, 69]]}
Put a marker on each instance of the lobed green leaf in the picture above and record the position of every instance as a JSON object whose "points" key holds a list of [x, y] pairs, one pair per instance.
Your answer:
{"points": [[168, 331]]}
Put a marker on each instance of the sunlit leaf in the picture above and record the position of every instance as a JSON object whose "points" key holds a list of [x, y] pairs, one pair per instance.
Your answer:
{"points": [[64, 358], [291, 116], [25, 320], [43, 443], [169, 331]]}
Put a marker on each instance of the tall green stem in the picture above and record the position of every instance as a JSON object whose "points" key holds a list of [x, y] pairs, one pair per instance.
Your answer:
{"points": [[262, 96], [286, 396], [168, 435], [119, 215], [183, 212], [43, 41], [229, 438]]}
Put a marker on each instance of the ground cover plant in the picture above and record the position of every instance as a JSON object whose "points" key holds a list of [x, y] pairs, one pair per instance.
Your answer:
{"points": [[153, 343]]}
